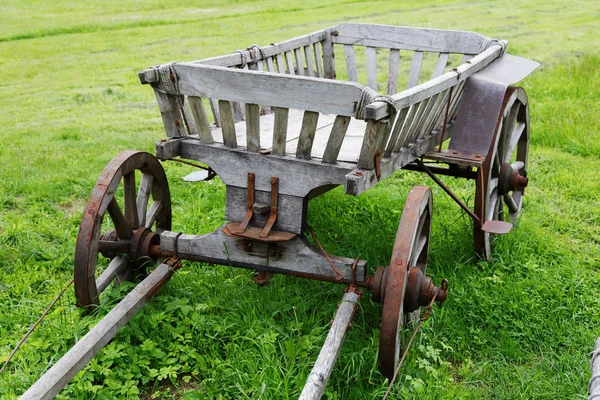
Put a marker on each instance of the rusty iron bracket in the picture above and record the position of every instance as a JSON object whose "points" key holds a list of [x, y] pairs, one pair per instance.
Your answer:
{"points": [[249, 204], [378, 156], [274, 207]]}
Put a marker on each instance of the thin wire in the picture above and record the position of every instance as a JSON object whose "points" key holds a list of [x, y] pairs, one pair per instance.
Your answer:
{"points": [[338, 275], [30, 331]]}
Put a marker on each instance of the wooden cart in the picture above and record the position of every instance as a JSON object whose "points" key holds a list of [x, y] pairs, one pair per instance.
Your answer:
{"points": [[279, 128]]}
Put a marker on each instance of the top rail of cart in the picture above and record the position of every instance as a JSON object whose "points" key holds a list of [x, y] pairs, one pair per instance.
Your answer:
{"points": [[348, 120]]}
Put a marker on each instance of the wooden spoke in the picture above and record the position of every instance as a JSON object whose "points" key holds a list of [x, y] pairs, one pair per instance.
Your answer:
{"points": [[155, 209], [116, 266], [131, 214], [122, 227], [143, 197]]}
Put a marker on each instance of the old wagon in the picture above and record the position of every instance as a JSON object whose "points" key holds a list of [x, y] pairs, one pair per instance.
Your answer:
{"points": [[284, 123]]}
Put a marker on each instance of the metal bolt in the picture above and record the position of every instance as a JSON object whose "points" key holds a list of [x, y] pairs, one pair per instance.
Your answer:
{"points": [[178, 122], [334, 33]]}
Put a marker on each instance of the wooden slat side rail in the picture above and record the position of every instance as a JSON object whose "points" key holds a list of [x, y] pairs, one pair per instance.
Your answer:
{"points": [[405, 38], [438, 102], [280, 126], [299, 63], [440, 65], [394, 64], [280, 64], [373, 132], [403, 136], [227, 124], [187, 117], [418, 93], [307, 134], [372, 67], [253, 127], [399, 121], [290, 63], [200, 119], [336, 138], [328, 56], [415, 69], [318, 59], [350, 57], [171, 114], [309, 62], [302, 93], [214, 107]]}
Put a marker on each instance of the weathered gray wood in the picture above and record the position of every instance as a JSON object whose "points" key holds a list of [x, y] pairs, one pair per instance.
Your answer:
{"points": [[188, 118], [270, 64], [200, 119], [410, 134], [253, 127], [360, 180], [280, 64], [295, 255], [394, 64], [317, 380], [379, 110], [280, 127], [467, 57], [116, 266], [366, 159], [290, 63], [440, 65], [238, 111], [61, 373], [415, 69], [170, 113], [143, 196], [350, 58], [396, 129], [372, 67], [328, 56], [438, 104], [594, 385], [336, 138], [298, 177], [309, 61], [318, 59], [214, 107], [307, 134], [299, 63], [312, 94], [402, 137], [292, 209], [153, 212], [418, 123], [404, 38], [227, 123], [383, 134]]}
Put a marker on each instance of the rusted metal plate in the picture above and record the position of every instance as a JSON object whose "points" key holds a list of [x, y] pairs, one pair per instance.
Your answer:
{"points": [[496, 227]]}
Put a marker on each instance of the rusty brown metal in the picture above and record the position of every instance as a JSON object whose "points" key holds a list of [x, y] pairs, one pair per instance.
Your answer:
{"points": [[420, 291], [274, 207], [454, 170], [249, 205], [378, 156], [90, 236], [414, 225], [262, 278], [338, 275], [448, 191], [378, 284], [254, 233]]}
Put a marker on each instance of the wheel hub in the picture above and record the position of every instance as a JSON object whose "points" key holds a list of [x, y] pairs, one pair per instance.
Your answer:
{"points": [[420, 291], [511, 179]]}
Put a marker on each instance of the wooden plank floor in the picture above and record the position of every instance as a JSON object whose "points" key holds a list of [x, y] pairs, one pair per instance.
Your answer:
{"points": [[350, 149]]}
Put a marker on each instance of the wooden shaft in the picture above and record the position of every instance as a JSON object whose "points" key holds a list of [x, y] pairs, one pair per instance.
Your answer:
{"points": [[61, 373], [594, 386], [315, 384]]}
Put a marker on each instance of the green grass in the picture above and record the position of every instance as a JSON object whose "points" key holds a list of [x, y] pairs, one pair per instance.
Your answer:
{"points": [[518, 327]]}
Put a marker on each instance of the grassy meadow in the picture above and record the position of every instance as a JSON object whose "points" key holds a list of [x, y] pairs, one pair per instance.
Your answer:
{"points": [[518, 327]]}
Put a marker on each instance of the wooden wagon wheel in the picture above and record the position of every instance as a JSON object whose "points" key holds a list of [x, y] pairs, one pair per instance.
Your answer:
{"points": [[128, 244], [502, 179], [411, 250]]}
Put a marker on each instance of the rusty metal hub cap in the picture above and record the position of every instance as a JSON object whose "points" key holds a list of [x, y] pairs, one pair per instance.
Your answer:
{"points": [[134, 211], [502, 179], [411, 248]]}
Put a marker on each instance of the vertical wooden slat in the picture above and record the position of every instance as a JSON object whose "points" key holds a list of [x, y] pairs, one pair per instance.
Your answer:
{"points": [[214, 107], [200, 119], [171, 114], [318, 59], [420, 130], [309, 61], [307, 134], [410, 136], [383, 133], [238, 111], [372, 67], [350, 63], [253, 127], [280, 131], [415, 69], [299, 63], [336, 138], [270, 64], [440, 65], [366, 160], [290, 63], [438, 104], [280, 64], [392, 83], [188, 118], [227, 124], [328, 57], [396, 128], [404, 128]]}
